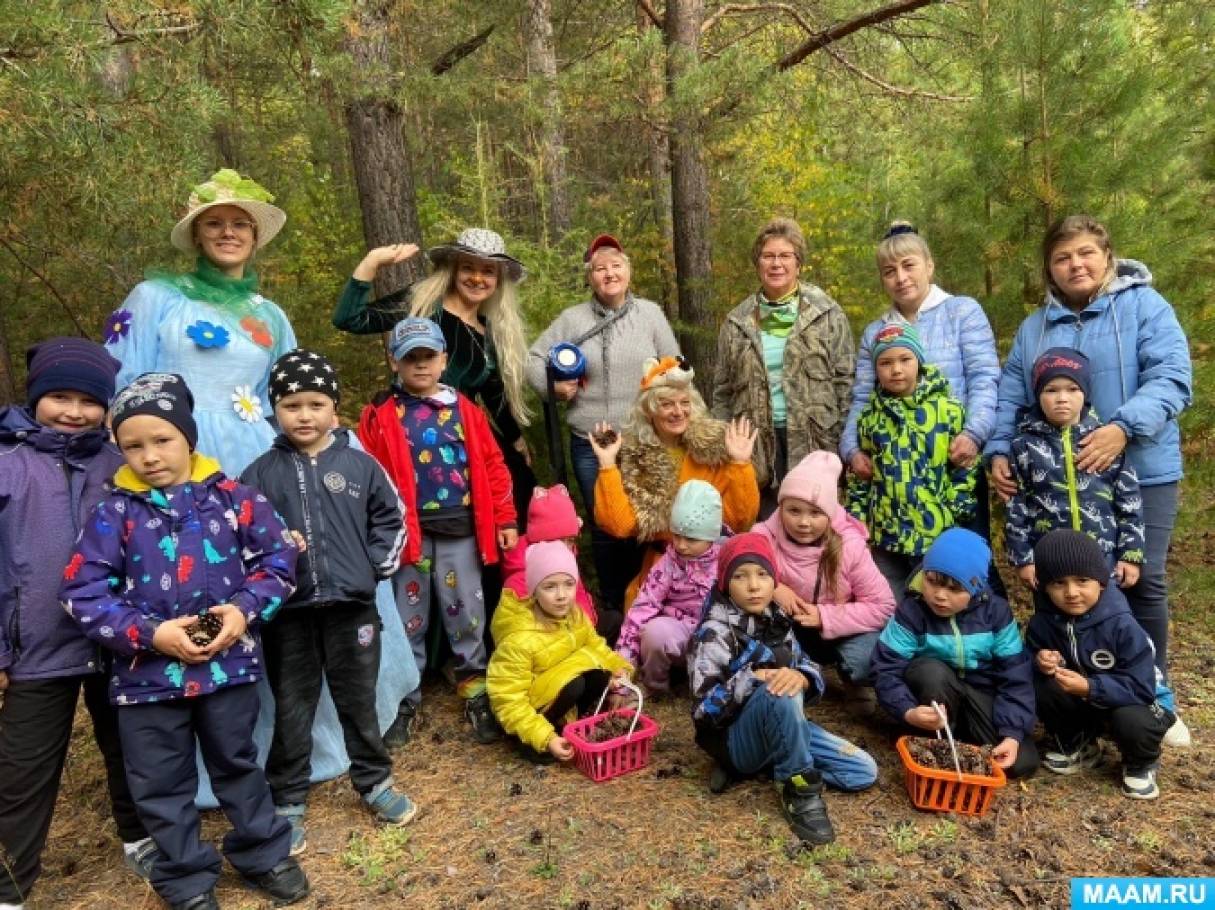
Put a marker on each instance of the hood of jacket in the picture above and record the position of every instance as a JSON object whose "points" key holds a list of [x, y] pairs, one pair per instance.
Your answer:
{"points": [[203, 470], [651, 480], [932, 384], [1128, 273], [17, 425]]}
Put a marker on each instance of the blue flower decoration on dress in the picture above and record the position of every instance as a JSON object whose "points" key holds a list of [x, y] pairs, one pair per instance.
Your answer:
{"points": [[207, 334], [117, 325]]}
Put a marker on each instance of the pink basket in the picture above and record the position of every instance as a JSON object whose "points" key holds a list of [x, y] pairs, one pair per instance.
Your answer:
{"points": [[617, 756]]}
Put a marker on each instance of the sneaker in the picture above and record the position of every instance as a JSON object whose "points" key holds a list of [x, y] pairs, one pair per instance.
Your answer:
{"points": [[286, 883], [1140, 784], [802, 803], [485, 727], [1178, 735], [403, 728], [198, 902], [299, 836], [1086, 755], [391, 806], [140, 857]]}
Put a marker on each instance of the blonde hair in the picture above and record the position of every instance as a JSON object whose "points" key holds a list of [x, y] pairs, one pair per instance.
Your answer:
{"points": [[640, 422], [905, 243], [780, 229], [503, 324], [620, 254]]}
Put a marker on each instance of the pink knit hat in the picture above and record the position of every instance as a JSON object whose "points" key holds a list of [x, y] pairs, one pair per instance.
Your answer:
{"points": [[551, 514], [815, 480], [551, 557]]}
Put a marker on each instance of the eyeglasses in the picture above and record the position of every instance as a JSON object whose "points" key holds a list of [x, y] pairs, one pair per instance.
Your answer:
{"points": [[217, 227], [777, 257]]}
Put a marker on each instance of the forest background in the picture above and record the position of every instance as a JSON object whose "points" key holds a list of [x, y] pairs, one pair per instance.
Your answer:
{"points": [[681, 127]]}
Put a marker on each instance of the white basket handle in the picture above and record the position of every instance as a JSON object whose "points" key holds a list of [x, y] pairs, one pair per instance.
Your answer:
{"points": [[957, 766], [636, 691]]}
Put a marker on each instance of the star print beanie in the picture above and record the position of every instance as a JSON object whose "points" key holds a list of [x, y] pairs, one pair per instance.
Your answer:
{"points": [[163, 395], [302, 370]]}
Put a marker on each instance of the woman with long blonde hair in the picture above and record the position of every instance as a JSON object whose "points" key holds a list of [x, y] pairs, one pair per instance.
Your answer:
{"points": [[472, 295]]}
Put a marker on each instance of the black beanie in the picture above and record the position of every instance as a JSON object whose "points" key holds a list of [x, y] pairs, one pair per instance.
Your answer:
{"points": [[76, 364], [1066, 552], [302, 370], [163, 395]]}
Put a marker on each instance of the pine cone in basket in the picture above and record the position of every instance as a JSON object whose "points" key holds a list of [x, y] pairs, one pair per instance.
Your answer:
{"points": [[936, 754], [609, 728]]}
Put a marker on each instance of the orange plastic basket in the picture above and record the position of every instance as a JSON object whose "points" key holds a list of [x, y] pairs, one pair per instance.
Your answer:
{"points": [[616, 756], [947, 791]]}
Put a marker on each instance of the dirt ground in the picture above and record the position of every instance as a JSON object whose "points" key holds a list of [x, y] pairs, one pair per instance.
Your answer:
{"points": [[498, 832]]}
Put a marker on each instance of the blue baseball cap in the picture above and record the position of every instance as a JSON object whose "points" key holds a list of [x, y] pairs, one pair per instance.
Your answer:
{"points": [[415, 332]]}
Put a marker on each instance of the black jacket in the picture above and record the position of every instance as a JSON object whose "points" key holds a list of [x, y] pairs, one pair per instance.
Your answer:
{"points": [[348, 511]]}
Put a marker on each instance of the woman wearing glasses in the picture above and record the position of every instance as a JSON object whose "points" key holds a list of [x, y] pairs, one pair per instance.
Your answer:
{"points": [[785, 360], [211, 325]]}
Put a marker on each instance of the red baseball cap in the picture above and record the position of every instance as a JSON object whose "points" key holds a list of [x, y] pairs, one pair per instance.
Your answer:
{"points": [[599, 243]]}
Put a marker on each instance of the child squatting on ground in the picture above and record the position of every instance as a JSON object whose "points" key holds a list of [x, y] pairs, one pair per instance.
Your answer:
{"points": [[838, 599], [438, 448], [954, 642], [750, 680], [55, 458], [1094, 666], [174, 540], [659, 625], [906, 429], [1051, 492], [548, 660], [339, 499]]}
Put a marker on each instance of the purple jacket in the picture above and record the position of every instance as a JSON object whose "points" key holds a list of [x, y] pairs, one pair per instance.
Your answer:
{"points": [[48, 483], [149, 555]]}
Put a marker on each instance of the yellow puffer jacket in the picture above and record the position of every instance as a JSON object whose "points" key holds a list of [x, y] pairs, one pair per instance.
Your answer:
{"points": [[533, 662]]}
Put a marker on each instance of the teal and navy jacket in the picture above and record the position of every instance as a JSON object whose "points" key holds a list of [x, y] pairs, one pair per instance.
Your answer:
{"points": [[915, 493], [1052, 493], [982, 644], [1107, 645]]}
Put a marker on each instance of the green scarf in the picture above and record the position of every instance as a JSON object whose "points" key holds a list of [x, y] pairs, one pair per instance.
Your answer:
{"points": [[235, 299], [776, 317]]}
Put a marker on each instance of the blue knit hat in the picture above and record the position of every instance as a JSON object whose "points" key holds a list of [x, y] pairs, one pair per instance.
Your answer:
{"points": [[72, 364], [897, 335], [696, 512], [962, 555], [1066, 362]]}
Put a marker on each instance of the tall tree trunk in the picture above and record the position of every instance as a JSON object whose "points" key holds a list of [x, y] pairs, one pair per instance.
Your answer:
{"points": [[375, 123], [542, 61], [690, 193], [658, 157]]}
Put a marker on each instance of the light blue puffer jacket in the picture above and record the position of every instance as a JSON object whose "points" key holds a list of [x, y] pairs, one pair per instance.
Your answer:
{"points": [[957, 337], [1140, 361]]}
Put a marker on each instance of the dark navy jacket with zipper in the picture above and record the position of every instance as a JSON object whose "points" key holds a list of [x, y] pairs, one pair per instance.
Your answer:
{"points": [[346, 508], [49, 481], [1107, 645]]}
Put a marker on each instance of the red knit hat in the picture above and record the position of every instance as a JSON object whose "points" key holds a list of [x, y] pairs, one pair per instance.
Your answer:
{"points": [[551, 514], [741, 549]]}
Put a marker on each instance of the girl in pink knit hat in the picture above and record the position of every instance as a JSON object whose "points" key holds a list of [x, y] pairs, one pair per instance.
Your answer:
{"points": [[830, 586], [550, 516]]}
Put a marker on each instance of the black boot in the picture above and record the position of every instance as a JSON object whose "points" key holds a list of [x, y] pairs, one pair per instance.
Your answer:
{"points": [[403, 728], [802, 802], [285, 883]]}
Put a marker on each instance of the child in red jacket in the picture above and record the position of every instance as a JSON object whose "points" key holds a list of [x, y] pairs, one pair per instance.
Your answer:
{"points": [[438, 448]]}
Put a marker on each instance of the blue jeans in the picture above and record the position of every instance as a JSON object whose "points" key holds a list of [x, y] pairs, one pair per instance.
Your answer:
{"points": [[1149, 598], [852, 654], [617, 560], [773, 732]]}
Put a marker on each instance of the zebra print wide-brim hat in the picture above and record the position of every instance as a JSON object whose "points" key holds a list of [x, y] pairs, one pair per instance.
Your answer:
{"points": [[483, 244]]}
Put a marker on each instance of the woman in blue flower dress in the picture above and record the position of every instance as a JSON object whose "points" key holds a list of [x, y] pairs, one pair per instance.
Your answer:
{"points": [[213, 327]]}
